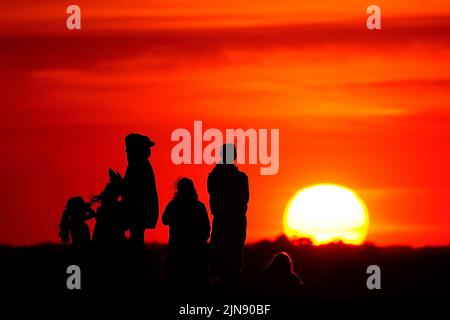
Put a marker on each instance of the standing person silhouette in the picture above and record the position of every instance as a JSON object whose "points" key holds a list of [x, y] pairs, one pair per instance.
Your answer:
{"points": [[229, 194], [189, 226], [109, 231], [140, 196]]}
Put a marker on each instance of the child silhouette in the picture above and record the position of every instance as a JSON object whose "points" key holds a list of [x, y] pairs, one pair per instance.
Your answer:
{"points": [[189, 231], [73, 222]]}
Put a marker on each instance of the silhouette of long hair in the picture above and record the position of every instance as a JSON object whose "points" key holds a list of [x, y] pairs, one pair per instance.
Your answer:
{"points": [[281, 262], [111, 222], [185, 190], [279, 277], [74, 212], [112, 190]]}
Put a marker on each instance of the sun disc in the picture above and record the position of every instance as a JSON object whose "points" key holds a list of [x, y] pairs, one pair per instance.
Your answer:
{"points": [[326, 213]]}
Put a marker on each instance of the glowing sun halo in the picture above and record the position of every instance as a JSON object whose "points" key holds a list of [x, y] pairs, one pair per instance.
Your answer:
{"points": [[325, 213]]}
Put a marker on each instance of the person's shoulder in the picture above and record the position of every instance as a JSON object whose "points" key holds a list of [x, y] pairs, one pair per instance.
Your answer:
{"points": [[214, 177], [147, 165], [295, 279], [201, 205], [242, 175], [214, 171], [172, 203]]}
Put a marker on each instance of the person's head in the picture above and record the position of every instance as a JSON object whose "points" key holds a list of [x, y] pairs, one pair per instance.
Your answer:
{"points": [[281, 263], [138, 147], [74, 211], [77, 204], [108, 196], [111, 193], [185, 190], [228, 154]]}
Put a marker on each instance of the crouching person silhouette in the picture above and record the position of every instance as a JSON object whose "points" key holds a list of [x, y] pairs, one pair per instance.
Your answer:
{"points": [[229, 194], [73, 223], [278, 279], [189, 232], [140, 196]]}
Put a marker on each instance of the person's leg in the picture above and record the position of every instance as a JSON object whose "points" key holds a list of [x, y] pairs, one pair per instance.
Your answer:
{"points": [[215, 254], [235, 263], [137, 237], [233, 260], [136, 261]]}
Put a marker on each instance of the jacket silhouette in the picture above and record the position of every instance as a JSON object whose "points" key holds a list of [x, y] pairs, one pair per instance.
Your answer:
{"points": [[229, 195], [140, 195], [189, 232]]}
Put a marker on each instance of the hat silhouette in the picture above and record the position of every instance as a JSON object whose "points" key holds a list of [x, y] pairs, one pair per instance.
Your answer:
{"points": [[135, 141]]}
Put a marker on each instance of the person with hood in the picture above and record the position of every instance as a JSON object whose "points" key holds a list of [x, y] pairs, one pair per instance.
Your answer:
{"points": [[140, 195]]}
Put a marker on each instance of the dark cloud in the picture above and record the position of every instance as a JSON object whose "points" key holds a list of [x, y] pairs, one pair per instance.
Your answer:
{"points": [[83, 50]]}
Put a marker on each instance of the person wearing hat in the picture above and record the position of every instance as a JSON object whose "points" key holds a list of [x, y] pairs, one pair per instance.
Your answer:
{"points": [[140, 195]]}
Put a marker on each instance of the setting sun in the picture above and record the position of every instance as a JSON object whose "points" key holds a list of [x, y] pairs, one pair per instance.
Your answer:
{"points": [[325, 213]]}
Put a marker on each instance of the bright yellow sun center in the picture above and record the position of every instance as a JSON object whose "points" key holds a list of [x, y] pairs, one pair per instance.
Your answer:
{"points": [[326, 213]]}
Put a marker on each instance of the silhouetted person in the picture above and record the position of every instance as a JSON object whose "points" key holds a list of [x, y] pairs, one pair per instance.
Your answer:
{"points": [[110, 226], [140, 196], [229, 194], [73, 225], [279, 278], [189, 232]]}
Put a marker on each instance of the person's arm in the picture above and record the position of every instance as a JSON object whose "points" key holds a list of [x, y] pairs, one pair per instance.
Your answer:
{"points": [[213, 200], [154, 202], [90, 213], [64, 227], [246, 189], [204, 222], [167, 215]]}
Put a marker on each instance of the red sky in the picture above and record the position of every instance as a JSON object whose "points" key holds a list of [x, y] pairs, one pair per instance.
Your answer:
{"points": [[366, 109]]}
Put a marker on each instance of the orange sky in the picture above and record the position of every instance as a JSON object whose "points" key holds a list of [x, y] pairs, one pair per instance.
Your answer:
{"points": [[366, 109]]}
